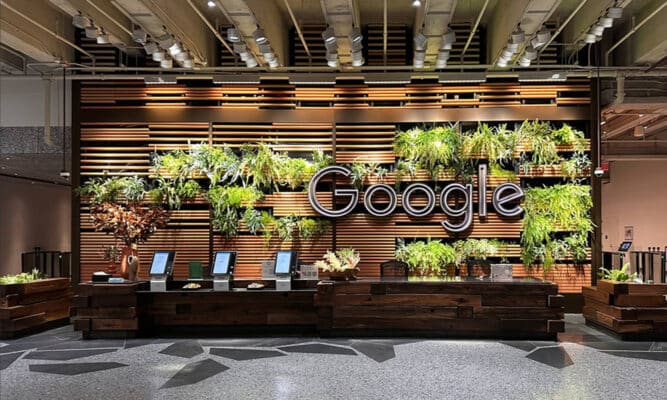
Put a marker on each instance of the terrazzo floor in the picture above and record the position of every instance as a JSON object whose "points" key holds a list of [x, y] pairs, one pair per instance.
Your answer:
{"points": [[584, 364]]}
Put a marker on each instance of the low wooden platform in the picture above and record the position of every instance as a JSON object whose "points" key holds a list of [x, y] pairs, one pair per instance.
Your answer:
{"points": [[631, 311], [470, 308], [27, 308]]}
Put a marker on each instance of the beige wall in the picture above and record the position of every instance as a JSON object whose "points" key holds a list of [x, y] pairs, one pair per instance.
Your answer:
{"points": [[32, 215], [635, 196]]}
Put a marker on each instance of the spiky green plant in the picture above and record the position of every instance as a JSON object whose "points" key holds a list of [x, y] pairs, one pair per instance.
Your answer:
{"points": [[428, 258], [617, 275]]}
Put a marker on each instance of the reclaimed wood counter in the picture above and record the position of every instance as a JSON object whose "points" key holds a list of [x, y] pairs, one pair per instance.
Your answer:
{"points": [[470, 308], [632, 311], [30, 307]]}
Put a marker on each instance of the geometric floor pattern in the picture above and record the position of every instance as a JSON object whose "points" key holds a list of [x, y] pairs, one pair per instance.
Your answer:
{"points": [[583, 364]]}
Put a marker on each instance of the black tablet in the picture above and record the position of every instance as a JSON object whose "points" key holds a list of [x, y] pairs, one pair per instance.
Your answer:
{"points": [[625, 246], [285, 262], [162, 262], [223, 263]]}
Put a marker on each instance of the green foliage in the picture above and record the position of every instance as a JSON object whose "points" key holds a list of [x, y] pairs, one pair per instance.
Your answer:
{"points": [[550, 210], [477, 249], [617, 275], [219, 164], [434, 149], [291, 227], [404, 168], [23, 277], [252, 219], [262, 165], [176, 163], [360, 171], [497, 170], [566, 135], [225, 203], [543, 147], [495, 144], [426, 258], [577, 165], [173, 193], [110, 189]]}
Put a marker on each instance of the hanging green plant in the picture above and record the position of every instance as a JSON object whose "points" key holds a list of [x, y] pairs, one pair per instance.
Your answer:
{"points": [[109, 190], [537, 135], [225, 203], [576, 166], [477, 249], [495, 144], [435, 149], [173, 192], [568, 136], [262, 165], [219, 164]]}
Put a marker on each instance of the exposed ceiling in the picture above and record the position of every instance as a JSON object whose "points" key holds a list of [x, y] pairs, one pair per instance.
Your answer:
{"points": [[42, 29]]}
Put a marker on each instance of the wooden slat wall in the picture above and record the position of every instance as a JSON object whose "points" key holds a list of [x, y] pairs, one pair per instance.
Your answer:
{"points": [[126, 148]]}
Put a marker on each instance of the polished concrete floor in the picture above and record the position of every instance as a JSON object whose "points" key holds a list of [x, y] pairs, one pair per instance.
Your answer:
{"points": [[584, 364]]}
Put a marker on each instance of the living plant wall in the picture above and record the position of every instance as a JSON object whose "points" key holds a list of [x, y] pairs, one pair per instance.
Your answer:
{"points": [[240, 181]]}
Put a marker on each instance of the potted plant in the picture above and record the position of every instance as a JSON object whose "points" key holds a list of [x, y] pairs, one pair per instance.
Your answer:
{"points": [[426, 259], [474, 252], [341, 265], [617, 275]]}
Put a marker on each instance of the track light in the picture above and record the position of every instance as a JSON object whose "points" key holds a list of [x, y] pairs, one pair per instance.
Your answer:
{"points": [[524, 62], [443, 55], [81, 21], [187, 63], [265, 48], [507, 54], [210, 3], [150, 47], [102, 38], [530, 53], [175, 49], [358, 63], [274, 63], [91, 32], [501, 62], [245, 56], [518, 36], [420, 41], [356, 36], [251, 62], [332, 64], [615, 12], [590, 38], [440, 64], [449, 37], [606, 22], [597, 29], [166, 63], [329, 35], [240, 48], [166, 41], [180, 56], [513, 47], [268, 57], [416, 3], [158, 55], [260, 36], [233, 35], [541, 38], [139, 35]]}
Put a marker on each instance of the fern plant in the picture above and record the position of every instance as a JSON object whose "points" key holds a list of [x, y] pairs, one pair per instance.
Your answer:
{"points": [[429, 258], [617, 275], [434, 149], [494, 144]]}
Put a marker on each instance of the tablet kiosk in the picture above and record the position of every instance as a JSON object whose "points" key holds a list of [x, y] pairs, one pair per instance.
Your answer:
{"points": [[286, 261], [223, 270], [162, 267], [624, 247]]}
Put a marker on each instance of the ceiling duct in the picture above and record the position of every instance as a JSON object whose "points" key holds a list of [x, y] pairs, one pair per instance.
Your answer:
{"points": [[432, 21], [346, 43]]}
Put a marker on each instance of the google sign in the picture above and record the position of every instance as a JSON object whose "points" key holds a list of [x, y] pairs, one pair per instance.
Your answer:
{"points": [[505, 199]]}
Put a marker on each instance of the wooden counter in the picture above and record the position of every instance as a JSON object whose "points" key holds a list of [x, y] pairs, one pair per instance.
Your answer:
{"points": [[522, 308], [629, 310]]}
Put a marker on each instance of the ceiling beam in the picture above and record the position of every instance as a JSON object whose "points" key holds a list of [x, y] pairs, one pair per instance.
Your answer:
{"points": [[575, 31], [104, 15], [37, 30], [643, 43], [504, 20]]}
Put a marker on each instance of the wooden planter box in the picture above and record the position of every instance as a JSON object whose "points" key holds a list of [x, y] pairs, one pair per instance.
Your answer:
{"points": [[632, 311], [30, 307]]}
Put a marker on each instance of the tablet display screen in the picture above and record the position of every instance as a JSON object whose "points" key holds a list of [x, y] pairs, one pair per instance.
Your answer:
{"points": [[160, 262], [283, 262], [222, 262]]}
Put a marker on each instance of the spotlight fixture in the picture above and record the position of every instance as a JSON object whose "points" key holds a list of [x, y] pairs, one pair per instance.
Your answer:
{"points": [[233, 35], [358, 63], [240, 48], [166, 41], [329, 35], [274, 63], [251, 62], [502, 63], [265, 48], [175, 49], [91, 32], [518, 36], [150, 47], [356, 36], [166, 63], [507, 54], [440, 64], [590, 38], [210, 3], [615, 12], [268, 57], [180, 56], [606, 22], [187, 63], [102, 38], [420, 41], [449, 37], [81, 21], [597, 29], [512, 47], [541, 38], [530, 53], [139, 35], [245, 56], [158, 55], [332, 59], [416, 3], [260, 36]]}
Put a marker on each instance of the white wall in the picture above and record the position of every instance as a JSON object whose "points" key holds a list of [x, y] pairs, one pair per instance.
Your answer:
{"points": [[32, 215], [635, 196], [23, 101]]}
